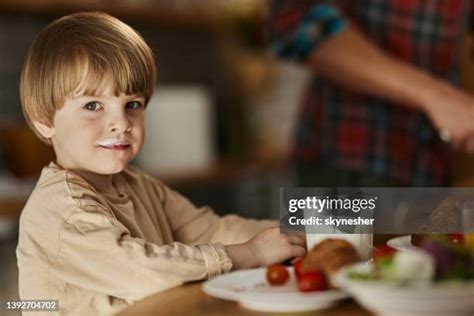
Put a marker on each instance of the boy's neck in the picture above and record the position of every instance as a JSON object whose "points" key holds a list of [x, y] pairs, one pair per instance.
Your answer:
{"points": [[101, 182]]}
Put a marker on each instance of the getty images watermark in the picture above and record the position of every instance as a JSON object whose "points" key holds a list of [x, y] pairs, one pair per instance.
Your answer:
{"points": [[374, 210]]}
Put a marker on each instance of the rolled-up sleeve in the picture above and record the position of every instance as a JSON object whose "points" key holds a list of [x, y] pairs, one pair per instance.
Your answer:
{"points": [[296, 28], [96, 252]]}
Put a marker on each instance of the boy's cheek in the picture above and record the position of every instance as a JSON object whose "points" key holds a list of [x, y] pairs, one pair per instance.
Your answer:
{"points": [[90, 116], [138, 118]]}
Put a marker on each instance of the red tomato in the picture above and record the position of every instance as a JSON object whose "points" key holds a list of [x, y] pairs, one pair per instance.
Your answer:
{"points": [[297, 265], [277, 274], [383, 251], [312, 281], [456, 238]]}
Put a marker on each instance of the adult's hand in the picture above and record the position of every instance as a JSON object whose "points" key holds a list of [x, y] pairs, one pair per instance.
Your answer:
{"points": [[452, 112]]}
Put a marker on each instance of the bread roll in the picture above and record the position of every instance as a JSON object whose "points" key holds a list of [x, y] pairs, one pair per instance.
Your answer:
{"points": [[329, 256]]}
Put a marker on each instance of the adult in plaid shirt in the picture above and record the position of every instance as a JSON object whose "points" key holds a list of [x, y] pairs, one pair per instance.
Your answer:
{"points": [[383, 110]]}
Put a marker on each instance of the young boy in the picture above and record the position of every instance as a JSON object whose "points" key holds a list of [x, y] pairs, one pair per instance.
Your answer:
{"points": [[97, 234]]}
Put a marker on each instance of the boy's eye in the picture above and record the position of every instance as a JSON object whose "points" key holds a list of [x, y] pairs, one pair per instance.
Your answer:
{"points": [[134, 105], [92, 106]]}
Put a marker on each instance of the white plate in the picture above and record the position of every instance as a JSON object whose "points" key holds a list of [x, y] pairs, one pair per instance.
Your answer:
{"points": [[401, 243], [386, 298], [251, 290]]}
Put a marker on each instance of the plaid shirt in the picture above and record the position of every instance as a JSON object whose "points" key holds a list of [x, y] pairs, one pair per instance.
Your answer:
{"points": [[359, 132]]}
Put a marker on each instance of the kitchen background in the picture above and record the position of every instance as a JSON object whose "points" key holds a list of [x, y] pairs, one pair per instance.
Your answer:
{"points": [[216, 78]]}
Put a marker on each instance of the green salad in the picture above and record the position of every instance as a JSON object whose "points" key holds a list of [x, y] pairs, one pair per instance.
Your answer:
{"points": [[437, 259]]}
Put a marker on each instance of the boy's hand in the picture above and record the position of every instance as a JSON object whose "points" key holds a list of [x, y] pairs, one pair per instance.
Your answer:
{"points": [[272, 247], [266, 248]]}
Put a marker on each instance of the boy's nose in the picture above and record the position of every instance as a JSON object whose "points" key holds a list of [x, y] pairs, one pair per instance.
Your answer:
{"points": [[119, 123]]}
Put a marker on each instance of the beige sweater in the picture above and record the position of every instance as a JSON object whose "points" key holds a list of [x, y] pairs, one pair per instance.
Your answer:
{"points": [[97, 254]]}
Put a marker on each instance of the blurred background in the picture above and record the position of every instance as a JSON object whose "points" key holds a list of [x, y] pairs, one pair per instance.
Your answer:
{"points": [[216, 77]]}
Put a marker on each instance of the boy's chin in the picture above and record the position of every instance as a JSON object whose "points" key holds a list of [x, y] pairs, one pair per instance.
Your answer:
{"points": [[111, 169]]}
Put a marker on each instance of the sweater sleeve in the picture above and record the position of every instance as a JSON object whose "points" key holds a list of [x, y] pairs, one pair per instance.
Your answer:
{"points": [[194, 225], [98, 253]]}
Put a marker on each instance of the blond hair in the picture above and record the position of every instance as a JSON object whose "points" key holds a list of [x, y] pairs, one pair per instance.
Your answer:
{"points": [[83, 52]]}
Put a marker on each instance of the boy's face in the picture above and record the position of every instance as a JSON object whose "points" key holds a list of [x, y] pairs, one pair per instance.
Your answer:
{"points": [[98, 134]]}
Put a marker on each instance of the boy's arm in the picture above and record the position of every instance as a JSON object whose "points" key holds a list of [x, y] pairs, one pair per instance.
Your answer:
{"points": [[201, 225], [204, 226], [96, 252]]}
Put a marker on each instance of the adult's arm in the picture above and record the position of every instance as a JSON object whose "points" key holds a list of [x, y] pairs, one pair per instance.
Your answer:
{"points": [[354, 62], [319, 37]]}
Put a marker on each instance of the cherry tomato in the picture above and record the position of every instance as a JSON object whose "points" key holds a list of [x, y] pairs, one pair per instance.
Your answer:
{"points": [[277, 274], [297, 266], [456, 238], [312, 281], [382, 252]]}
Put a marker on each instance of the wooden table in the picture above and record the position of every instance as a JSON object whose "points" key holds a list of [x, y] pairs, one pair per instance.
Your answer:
{"points": [[189, 299]]}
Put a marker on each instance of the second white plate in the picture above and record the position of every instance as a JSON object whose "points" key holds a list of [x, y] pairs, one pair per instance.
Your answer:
{"points": [[426, 299], [401, 243]]}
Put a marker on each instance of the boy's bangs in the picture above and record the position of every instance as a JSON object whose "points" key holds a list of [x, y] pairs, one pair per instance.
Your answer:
{"points": [[94, 75]]}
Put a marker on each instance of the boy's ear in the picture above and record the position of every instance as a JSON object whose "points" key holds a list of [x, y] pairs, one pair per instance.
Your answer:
{"points": [[44, 129]]}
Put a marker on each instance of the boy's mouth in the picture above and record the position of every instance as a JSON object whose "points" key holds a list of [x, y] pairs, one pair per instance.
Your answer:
{"points": [[114, 144], [116, 147]]}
